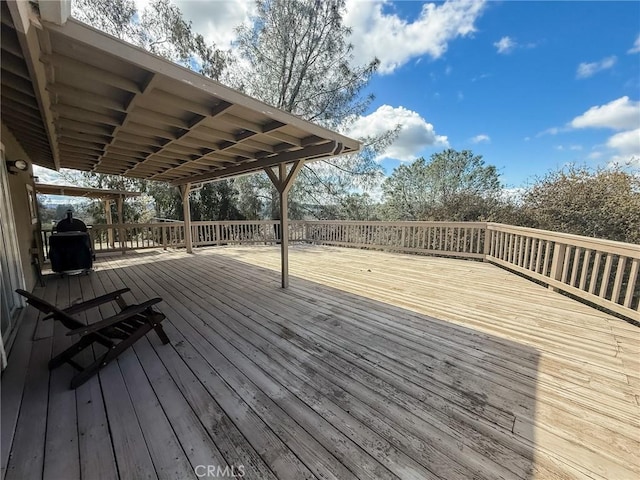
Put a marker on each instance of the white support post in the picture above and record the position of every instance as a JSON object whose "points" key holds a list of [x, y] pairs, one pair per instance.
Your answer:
{"points": [[121, 231], [109, 219], [186, 210], [283, 182]]}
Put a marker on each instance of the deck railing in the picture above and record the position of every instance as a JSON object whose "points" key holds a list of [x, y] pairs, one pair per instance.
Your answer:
{"points": [[457, 239], [603, 272]]}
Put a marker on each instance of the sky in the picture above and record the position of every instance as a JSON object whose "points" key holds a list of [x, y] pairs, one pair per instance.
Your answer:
{"points": [[530, 86]]}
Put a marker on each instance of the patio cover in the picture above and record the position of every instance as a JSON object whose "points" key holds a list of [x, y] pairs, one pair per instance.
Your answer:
{"points": [[110, 107], [71, 191], [75, 97]]}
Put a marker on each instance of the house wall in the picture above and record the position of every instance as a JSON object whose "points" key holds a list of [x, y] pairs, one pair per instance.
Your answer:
{"points": [[27, 232]]}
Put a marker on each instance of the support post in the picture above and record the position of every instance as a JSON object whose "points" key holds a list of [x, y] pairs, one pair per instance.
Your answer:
{"points": [[186, 210], [283, 181], [486, 251], [109, 218], [122, 232], [557, 264]]}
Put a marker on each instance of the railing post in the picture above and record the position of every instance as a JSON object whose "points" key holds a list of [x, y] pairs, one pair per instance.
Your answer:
{"points": [[217, 233], [559, 250], [164, 237], [487, 243]]}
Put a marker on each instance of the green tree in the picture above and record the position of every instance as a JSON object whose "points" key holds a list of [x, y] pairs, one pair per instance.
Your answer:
{"points": [[218, 201], [603, 203], [296, 57], [452, 185]]}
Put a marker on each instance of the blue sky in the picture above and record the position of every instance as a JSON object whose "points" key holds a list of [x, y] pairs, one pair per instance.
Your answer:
{"points": [[531, 86], [510, 80]]}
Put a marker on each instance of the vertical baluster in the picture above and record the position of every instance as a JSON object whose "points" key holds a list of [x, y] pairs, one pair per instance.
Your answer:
{"points": [[527, 246], [605, 276], [532, 252], [617, 282], [585, 269], [631, 284], [566, 262], [520, 256], [575, 267], [539, 255], [474, 240]]}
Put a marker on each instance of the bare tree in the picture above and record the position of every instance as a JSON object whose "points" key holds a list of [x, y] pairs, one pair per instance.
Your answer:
{"points": [[160, 28], [296, 56]]}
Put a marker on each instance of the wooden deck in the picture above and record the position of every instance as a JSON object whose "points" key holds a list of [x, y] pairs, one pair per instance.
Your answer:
{"points": [[371, 365]]}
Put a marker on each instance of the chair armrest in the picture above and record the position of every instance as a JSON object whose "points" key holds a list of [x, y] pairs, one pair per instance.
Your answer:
{"points": [[129, 312], [94, 302]]}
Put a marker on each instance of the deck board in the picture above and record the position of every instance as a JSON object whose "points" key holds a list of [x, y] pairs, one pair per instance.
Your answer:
{"points": [[371, 365]]}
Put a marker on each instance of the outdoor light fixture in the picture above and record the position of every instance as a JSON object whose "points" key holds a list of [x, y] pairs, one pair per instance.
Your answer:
{"points": [[16, 166]]}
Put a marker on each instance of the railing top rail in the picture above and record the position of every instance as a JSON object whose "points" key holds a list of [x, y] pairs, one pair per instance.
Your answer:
{"points": [[393, 224], [620, 248], [236, 222], [101, 226]]}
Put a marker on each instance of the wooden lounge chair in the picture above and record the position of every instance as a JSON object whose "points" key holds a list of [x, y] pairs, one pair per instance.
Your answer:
{"points": [[116, 333]]}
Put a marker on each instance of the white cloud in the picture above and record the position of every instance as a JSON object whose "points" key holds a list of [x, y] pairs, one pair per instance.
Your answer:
{"points": [[415, 132], [375, 32], [636, 46], [395, 41], [481, 138], [627, 146], [217, 20], [619, 114], [574, 148], [550, 131], [505, 45], [586, 70]]}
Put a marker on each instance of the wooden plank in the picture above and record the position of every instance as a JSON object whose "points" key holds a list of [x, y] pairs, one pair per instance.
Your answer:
{"points": [[305, 446], [166, 453], [378, 473], [27, 450], [129, 445], [94, 442], [191, 432], [13, 382], [421, 424], [284, 463], [61, 449], [168, 457], [345, 351]]}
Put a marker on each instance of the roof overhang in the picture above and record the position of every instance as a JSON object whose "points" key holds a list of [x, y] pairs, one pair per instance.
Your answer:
{"points": [[71, 191], [85, 100]]}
